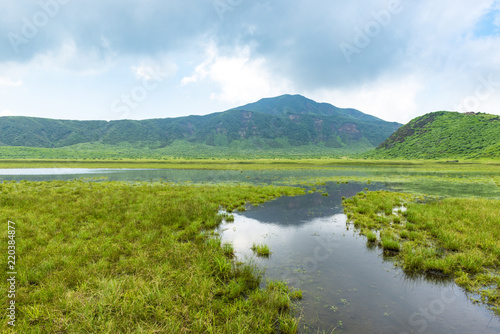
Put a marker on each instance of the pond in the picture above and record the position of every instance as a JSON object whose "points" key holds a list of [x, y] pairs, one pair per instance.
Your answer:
{"points": [[347, 286]]}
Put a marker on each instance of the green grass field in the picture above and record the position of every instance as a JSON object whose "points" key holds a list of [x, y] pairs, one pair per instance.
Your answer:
{"points": [[112, 257], [254, 164]]}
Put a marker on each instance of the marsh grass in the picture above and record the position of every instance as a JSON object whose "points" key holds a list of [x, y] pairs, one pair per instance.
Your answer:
{"points": [[228, 249], [261, 250], [371, 236], [433, 166], [389, 244], [458, 237], [115, 257]]}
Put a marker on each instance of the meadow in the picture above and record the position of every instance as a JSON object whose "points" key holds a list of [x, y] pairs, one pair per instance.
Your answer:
{"points": [[113, 257], [257, 164]]}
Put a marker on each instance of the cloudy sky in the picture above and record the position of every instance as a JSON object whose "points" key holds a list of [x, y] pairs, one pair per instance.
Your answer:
{"points": [[138, 59]]}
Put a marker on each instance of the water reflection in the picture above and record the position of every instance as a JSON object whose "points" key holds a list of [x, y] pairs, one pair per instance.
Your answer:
{"points": [[347, 285], [51, 172], [421, 185]]}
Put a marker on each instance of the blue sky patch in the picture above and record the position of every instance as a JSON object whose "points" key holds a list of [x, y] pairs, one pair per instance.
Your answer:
{"points": [[489, 25]]}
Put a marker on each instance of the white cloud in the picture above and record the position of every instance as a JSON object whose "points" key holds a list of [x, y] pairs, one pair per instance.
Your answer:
{"points": [[154, 69], [202, 70], [72, 59], [10, 83], [428, 58], [239, 77], [390, 99]]}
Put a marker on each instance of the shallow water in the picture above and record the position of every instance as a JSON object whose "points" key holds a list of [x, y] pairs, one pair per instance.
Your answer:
{"points": [[345, 284], [423, 182]]}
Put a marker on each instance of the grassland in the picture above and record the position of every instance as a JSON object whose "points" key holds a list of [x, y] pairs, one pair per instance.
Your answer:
{"points": [[454, 237], [112, 257], [181, 149], [254, 164]]}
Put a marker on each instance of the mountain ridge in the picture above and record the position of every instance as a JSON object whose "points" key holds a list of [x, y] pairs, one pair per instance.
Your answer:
{"points": [[272, 123], [269, 106]]}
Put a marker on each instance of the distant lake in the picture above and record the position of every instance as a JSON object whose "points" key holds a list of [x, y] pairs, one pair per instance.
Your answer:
{"points": [[28, 173], [431, 186]]}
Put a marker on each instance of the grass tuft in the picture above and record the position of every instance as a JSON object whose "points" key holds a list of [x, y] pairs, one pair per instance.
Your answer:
{"points": [[389, 244], [261, 250], [371, 236]]}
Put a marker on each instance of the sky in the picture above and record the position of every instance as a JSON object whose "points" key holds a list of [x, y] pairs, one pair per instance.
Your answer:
{"points": [[140, 59]]}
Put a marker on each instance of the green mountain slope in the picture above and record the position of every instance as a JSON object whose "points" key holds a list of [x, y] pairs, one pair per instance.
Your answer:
{"points": [[271, 124], [297, 104], [444, 135]]}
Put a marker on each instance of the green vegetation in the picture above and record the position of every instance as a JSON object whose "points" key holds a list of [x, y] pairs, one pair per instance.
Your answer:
{"points": [[113, 257], [389, 244], [299, 105], [444, 135], [261, 250], [412, 176], [436, 168], [371, 236], [179, 149], [457, 237], [280, 127], [228, 250]]}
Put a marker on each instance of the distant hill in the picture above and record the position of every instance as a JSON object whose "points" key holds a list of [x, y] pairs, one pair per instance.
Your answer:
{"points": [[444, 135], [277, 123]]}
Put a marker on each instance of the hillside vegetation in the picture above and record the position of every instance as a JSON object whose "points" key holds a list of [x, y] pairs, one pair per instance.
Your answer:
{"points": [[444, 135], [271, 127]]}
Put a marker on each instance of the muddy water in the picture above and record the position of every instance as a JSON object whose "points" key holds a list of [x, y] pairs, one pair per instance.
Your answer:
{"points": [[346, 285]]}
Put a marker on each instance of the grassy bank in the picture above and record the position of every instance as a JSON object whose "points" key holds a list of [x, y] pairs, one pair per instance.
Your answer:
{"points": [[113, 257], [255, 164], [456, 237]]}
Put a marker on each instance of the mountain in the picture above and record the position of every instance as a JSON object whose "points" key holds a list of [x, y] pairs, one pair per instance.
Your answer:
{"points": [[297, 104], [444, 135], [276, 123]]}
